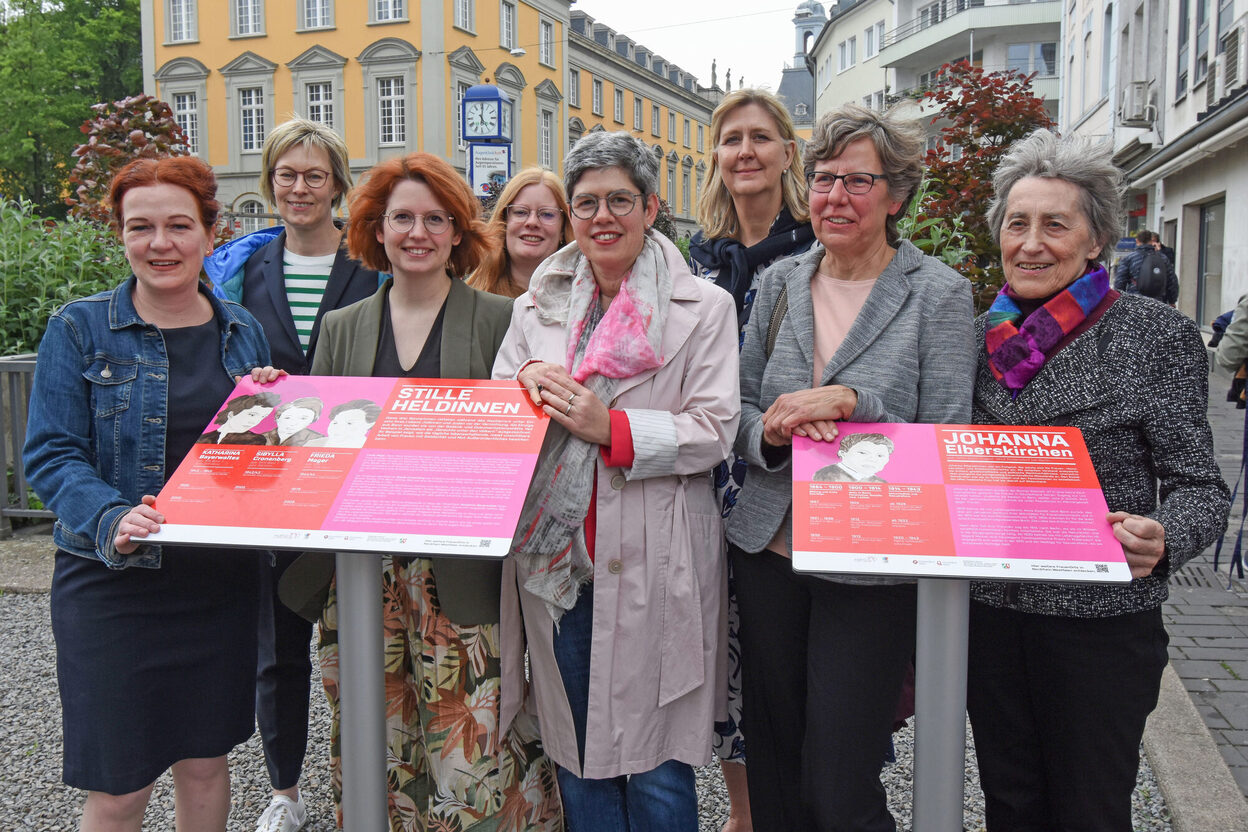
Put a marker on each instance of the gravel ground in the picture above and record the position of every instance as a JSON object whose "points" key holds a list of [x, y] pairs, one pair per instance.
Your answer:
{"points": [[32, 796]]}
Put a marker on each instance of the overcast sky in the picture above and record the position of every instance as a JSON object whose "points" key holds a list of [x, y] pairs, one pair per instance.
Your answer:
{"points": [[753, 39]]}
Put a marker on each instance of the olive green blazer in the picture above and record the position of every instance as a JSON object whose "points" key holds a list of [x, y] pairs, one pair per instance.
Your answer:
{"points": [[472, 330]]}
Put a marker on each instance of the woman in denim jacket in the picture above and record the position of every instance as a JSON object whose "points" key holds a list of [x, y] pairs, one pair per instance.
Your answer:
{"points": [[156, 646]]}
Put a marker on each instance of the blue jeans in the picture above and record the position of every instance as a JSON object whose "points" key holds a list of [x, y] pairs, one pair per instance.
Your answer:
{"points": [[660, 800]]}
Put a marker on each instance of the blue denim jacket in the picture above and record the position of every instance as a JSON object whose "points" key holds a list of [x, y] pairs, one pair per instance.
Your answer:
{"points": [[95, 430]]}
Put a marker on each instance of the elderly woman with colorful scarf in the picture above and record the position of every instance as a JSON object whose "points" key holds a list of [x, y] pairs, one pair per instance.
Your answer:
{"points": [[618, 564], [1063, 676]]}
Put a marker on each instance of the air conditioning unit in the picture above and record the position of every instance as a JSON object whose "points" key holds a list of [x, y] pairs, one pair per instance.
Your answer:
{"points": [[1136, 109], [1213, 82], [1234, 55]]}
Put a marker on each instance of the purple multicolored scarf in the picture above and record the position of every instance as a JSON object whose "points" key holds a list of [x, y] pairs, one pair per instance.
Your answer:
{"points": [[1017, 353]]}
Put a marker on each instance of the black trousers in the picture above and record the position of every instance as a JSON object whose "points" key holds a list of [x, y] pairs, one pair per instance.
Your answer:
{"points": [[1058, 707], [822, 668], [283, 679]]}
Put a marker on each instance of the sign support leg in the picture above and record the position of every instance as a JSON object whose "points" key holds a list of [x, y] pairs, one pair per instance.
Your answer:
{"points": [[361, 684], [940, 704]]}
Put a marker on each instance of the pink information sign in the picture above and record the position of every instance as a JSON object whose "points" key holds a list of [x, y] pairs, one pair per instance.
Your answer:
{"points": [[422, 466], [953, 501]]}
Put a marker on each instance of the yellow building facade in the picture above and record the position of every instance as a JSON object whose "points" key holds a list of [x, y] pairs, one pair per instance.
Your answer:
{"points": [[388, 76]]}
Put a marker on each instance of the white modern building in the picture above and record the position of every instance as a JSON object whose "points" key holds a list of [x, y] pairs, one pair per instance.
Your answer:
{"points": [[1179, 126], [845, 59], [995, 35]]}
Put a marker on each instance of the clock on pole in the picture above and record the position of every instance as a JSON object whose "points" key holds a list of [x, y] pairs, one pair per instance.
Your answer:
{"points": [[486, 121]]}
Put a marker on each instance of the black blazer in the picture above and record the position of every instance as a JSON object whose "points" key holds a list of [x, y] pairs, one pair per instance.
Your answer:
{"points": [[264, 296]]}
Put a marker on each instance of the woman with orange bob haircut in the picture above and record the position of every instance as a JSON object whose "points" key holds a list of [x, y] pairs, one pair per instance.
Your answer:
{"points": [[529, 223], [449, 765]]}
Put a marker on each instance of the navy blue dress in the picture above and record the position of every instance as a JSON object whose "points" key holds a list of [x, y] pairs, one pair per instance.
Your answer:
{"points": [[158, 665]]}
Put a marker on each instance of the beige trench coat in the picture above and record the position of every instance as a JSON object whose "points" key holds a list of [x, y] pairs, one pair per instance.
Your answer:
{"points": [[658, 657]]}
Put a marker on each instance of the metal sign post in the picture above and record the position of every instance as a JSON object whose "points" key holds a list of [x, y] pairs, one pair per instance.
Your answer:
{"points": [[361, 686], [940, 704]]}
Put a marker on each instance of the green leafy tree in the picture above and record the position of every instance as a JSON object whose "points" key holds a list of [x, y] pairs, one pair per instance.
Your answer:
{"points": [[981, 115], [132, 128], [56, 59], [44, 264]]}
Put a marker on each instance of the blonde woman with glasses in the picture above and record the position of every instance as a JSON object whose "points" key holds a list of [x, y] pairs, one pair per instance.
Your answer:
{"points": [[530, 223]]}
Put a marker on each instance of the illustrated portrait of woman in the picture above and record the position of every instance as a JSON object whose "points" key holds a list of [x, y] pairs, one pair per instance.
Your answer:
{"points": [[863, 456], [238, 417], [349, 424], [293, 422]]}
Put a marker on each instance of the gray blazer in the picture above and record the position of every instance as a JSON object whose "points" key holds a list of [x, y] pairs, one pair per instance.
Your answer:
{"points": [[910, 356]]}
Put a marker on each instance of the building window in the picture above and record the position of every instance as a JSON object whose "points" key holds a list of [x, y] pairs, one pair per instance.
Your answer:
{"points": [[546, 139], [385, 11], [546, 42], [701, 138], [933, 14], [671, 126], [465, 14], [879, 36], [688, 133], [574, 87], [251, 117], [186, 113], [597, 100], [460, 89], [507, 24], [1185, 24], [654, 119], [1040, 58], [250, 219], [671, 182], [684, 192], [879, 100], [320, 97], [847, 51], [181, 23], [619, 106], [391, 111], [316, 14], [637, 115], [801, 111], [870, 48], [248, 18]]}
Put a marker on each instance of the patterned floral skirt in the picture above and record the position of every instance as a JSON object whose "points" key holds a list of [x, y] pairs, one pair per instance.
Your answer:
{"points": [[448, 768]]}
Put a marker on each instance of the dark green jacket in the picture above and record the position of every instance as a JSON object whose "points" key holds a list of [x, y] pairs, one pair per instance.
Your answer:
{"points": [[472, 330]]}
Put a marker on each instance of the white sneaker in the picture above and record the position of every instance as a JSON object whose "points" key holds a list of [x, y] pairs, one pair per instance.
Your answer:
{"points": [[283, 815]]}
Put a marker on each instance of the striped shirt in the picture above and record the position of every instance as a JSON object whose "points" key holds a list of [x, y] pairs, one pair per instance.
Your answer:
{"points": [[306, 278]]}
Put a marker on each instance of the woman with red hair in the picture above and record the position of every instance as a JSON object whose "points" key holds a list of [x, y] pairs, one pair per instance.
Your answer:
{"points": [[449, 765], [125, 383]]}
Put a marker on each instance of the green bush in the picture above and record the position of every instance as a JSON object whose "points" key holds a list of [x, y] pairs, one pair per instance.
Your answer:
{"points": [[44, 264]]}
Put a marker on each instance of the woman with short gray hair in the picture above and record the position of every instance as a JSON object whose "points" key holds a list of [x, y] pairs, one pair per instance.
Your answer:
{"points": [[1062, 676], [862, 328], [617, 566]]}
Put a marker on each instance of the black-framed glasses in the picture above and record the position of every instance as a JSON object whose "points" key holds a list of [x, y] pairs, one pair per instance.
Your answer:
{"points": [[855, 183], [312, 177], [435, 222], [546, 216], [619, 203]]}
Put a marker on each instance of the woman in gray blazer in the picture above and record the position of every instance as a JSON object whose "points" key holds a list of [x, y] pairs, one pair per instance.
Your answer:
{"points": [[874, 331]]}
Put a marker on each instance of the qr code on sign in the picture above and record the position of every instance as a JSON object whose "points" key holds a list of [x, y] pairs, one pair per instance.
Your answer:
{"points": [[485, 543], [1102, 567]]}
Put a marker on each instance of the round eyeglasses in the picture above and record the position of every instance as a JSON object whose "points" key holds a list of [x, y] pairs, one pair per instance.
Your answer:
{"points": [[435, 222], [312, 177], [619, 203], [855, 183], [521, 214]]}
